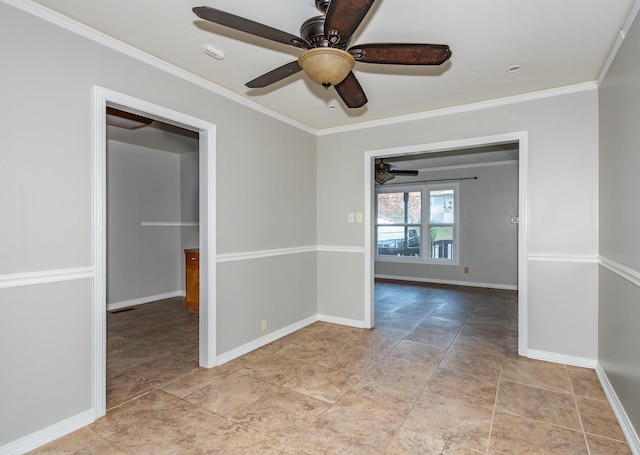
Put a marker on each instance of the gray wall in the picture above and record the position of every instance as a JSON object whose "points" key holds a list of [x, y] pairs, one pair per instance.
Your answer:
{"points": [[143, 185], [562, 209], [619, 298], [48, 75], [189, 197], [488, 241]]}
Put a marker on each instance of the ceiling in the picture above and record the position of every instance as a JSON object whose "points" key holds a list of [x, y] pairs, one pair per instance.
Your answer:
{"points": [[556, 44], [158, 136]]}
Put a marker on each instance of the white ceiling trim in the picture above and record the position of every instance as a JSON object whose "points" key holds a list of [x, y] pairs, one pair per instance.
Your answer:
{"points": [[582, 87], [621, 36], [133, 52]]}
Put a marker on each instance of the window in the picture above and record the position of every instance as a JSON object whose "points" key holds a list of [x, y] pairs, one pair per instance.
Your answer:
{"points": [[417, 223], [441, 223], [399, 223]]}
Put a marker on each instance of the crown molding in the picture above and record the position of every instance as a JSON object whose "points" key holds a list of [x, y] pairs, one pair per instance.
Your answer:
{"points": [[569, 89], [619, 39], [135, 53]]}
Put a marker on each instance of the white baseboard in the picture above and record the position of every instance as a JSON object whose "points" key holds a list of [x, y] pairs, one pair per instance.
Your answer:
{"points": [[142, 300], [46, 435], [623, 419], [554, 357], [506, 287], [341, 321], [264, 340]]}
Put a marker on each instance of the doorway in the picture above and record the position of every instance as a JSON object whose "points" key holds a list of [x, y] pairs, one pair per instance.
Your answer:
{"points": [[520, 139], [152, 218], [103, 98]]}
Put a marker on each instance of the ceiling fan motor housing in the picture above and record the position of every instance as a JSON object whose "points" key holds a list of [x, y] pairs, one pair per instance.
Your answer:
{"points": [[312, 30]]}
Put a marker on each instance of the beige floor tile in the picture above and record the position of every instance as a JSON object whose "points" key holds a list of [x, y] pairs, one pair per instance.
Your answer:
{"points": [[161, 370], [537, 373], [407, 373], [355, 359], [413, 351], [272, 368], [429, 335], [156, 423], [604, 446], [282, 414], [230, 395], [460, 385], [408, 442], [455, 421], [513, 434], [321, 382], [598, 418], [123, 388], [586, 384], [472, 364], [196, 379], [384, 401], [539, 404], [342, 431], [442, 323], [480, 344], [231, 438], [83, 440]]}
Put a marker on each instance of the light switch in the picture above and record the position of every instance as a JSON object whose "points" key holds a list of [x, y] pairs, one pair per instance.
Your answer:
{"points": [[351, 217], [359, 217]]}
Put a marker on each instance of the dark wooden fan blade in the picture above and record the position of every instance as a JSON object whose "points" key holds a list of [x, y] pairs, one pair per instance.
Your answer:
{"points": [[343, 18], [248, 26], [351, 92], [275, 75], [401, 53], [403, 172]]}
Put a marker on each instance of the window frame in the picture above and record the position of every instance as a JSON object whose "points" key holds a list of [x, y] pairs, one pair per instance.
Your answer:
{"points": [[425, 223]]}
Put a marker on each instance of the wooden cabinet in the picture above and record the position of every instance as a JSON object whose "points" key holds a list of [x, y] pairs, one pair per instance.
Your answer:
{"points": [[192, 283]]}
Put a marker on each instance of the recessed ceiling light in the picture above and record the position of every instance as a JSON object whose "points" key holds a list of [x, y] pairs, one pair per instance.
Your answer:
{"points": [[332, 107], [514, 69]]}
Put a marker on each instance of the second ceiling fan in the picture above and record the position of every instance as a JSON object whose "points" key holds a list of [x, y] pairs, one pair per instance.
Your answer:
{"points": [[327, 58]]}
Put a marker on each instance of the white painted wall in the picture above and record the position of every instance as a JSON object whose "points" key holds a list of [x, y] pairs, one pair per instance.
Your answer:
{"points": [[619, 297], [562, 204], [488, 241]]}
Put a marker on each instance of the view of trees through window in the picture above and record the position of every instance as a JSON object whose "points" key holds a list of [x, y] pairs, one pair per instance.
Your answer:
{"points": [[400, 225]]}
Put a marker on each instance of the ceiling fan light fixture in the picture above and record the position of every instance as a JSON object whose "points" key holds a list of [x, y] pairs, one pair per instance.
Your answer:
{"points": [[326, 65], [382, 177]]}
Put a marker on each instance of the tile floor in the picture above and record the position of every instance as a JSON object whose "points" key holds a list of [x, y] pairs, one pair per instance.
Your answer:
{"points": [[438, 375]]}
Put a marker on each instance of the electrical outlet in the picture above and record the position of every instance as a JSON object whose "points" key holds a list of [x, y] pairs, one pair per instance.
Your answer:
{"points": [[466, 270], [264, 325]]}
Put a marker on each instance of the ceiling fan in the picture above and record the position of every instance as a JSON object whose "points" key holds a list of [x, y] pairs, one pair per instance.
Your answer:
{"points": [[385, 171], [327, 58]]}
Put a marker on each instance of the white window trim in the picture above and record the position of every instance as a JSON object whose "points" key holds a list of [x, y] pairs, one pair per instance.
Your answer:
{"points": [[424, 188]]}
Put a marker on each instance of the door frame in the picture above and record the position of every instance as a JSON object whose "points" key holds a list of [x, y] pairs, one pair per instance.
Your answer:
{"points": [[102, 98], [521, 138]]}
